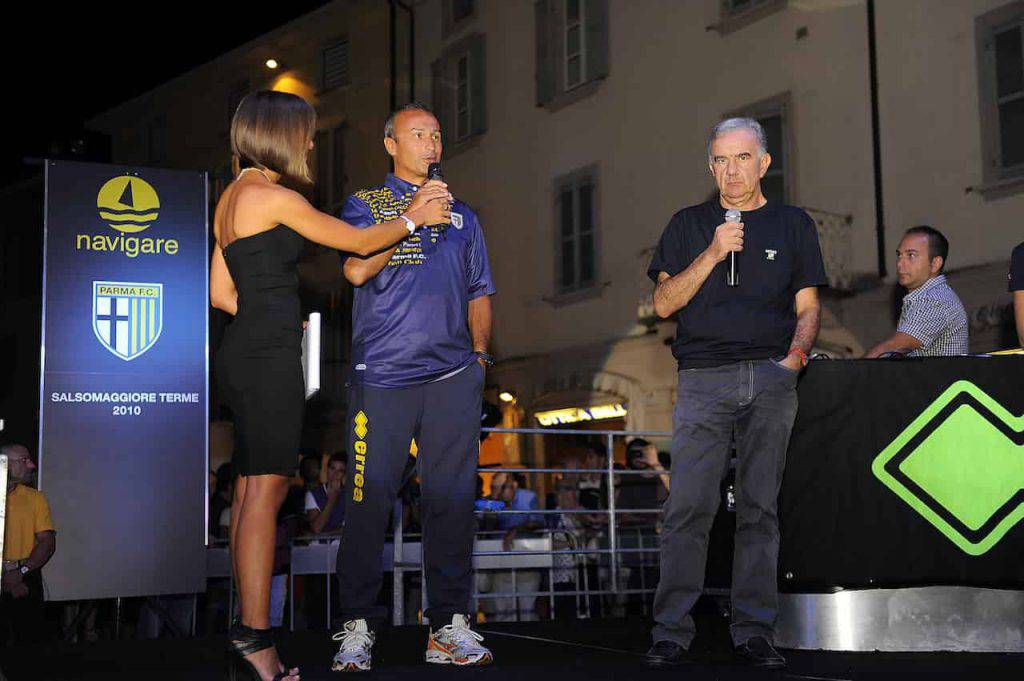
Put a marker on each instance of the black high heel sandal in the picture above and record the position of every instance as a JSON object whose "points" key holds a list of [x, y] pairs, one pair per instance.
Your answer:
{"points": [[243, 641]]}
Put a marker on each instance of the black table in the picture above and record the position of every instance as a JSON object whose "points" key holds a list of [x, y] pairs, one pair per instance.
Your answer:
{"points": [[906, 472]]}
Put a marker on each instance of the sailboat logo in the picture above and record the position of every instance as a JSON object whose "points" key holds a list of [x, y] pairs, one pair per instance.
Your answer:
{"points": [[127, 203]]}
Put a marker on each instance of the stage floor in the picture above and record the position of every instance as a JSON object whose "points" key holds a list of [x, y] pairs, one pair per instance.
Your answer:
{"points": [[603, 649]]}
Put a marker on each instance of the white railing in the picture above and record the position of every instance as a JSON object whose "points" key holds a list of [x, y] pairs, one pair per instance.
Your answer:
{"points": [[597, 566], [526, 551], [835, 234]]}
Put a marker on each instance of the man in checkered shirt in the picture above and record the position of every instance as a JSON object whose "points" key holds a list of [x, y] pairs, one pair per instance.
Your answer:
{"points": [[933, 321]]}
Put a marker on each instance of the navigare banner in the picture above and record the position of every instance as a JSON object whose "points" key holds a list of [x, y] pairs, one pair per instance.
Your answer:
{"points": [[123, 404], [906, 472]]}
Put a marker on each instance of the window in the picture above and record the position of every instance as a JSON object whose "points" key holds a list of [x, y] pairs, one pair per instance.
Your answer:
{"points": [[773, 184], [455, 12], [334, 65], [330, 169], [462, 98], [1001, 92], [576, 267], [572, 49], [459, 89], [573, 44], [774, 116], [739, 13]]}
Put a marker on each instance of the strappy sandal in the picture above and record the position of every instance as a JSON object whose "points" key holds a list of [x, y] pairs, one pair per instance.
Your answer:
{"points": [[244, 641]]}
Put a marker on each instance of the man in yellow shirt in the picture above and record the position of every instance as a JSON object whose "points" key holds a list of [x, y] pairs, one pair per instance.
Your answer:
{"points": [[29, 542]]}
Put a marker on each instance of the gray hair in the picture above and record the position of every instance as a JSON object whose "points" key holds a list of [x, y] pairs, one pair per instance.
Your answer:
{"points": [[389, 125], [730, 124]]}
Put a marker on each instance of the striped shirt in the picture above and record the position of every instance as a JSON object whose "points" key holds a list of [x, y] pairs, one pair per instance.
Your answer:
{"points": [[934, 315]]}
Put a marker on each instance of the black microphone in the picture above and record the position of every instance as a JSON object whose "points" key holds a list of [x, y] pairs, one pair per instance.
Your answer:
{"points": [[732, 274], [434, 173]]}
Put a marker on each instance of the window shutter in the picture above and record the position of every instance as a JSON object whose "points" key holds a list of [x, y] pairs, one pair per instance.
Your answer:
{"points": [[446, 18], [334, 65], [545, 62], [478, 85], [557, 34], [443, 97], [595, 19]]}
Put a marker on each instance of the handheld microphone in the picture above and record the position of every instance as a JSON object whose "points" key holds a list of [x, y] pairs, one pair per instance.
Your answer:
{"points": [[434, 173], [732, 274]]}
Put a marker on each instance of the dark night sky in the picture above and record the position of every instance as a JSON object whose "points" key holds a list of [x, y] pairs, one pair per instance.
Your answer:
{"points": [[71, 62]]}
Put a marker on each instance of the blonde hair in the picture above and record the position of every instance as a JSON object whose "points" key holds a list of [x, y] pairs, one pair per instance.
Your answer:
{"points": [[271, 130]]}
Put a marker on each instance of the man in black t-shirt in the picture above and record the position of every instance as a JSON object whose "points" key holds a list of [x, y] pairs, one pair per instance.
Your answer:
{"points": [[1016, 287], [740, 350]]}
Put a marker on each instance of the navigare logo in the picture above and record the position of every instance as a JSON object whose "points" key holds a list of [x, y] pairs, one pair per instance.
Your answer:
{"points": [[129, 205], [960, 464]]}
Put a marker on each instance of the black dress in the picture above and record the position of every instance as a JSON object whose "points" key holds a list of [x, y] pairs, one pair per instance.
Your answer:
{"points": [[259, 363]]}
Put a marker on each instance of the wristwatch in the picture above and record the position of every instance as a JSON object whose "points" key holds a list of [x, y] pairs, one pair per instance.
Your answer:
{"points": [[23, 569], [409, 224], [485, 358]]}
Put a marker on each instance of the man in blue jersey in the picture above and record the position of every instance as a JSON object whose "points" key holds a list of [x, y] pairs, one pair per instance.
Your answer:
{"points": [[421, 326]]}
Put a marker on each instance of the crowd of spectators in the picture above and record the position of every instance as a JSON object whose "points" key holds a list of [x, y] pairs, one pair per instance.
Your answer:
{"points": [[579, 536]]}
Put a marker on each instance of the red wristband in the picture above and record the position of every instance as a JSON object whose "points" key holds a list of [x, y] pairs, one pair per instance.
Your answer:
{"points": [[801, 354]]}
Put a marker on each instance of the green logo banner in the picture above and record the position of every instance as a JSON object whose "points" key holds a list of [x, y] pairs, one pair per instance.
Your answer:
{"points": [[960, 464]]}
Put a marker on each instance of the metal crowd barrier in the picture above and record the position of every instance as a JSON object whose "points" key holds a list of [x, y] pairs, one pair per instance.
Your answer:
{"points": [[316, 555], [614, 550]]}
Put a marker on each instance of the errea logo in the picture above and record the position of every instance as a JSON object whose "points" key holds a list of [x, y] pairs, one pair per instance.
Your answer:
{"points": [[361, 429]]}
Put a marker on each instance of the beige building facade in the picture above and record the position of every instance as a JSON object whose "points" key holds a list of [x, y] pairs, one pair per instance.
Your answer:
{"points": [[578, 127], [348, 59]]}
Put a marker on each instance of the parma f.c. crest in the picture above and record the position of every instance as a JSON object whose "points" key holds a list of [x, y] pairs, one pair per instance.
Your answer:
{"points": [[127, 318]]}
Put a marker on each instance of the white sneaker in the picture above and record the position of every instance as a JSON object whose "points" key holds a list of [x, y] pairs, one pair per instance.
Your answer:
{"points": [[356, 645], [457, 644]]}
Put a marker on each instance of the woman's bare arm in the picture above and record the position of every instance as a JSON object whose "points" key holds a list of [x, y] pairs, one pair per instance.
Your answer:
{"points": [[223, 294], [292, 209]]}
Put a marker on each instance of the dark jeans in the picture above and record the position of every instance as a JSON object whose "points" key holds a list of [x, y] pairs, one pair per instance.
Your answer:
{"points": [[754, 402], [444, 418], [21, 619]]}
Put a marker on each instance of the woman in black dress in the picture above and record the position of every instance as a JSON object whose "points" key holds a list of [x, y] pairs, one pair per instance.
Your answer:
{"points": [[260, 228]]}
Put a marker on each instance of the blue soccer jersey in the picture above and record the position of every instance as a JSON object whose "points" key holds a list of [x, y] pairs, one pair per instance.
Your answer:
{"points": [[410, 322]]}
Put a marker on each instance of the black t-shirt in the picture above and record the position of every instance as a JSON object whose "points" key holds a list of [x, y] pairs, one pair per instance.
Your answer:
{"points": [[754, 320], [1017, 269]]}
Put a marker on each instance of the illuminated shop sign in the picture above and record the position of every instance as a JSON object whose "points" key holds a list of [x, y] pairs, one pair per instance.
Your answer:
{"points": [[580, 414]]}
